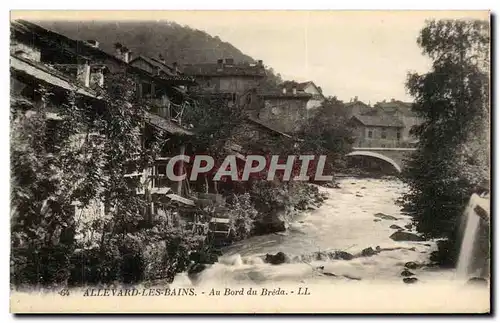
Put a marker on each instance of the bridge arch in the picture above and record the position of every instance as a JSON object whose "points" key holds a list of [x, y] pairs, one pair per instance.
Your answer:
{"points": [[376, 155]]}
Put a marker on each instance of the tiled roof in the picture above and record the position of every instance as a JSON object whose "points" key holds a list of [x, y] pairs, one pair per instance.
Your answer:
{"points": [[213, 69], [379, 120], [404, 107], [166, 125], [299, 86], [151, 61], [288, 95], [268, 127], [48, 75]]}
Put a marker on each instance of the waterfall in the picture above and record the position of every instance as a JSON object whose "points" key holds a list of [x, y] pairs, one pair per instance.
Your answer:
{"points": [[468, 249]]}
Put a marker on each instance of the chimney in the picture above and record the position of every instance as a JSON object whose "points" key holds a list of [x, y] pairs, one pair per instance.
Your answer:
{"points": [[118, 50], [97, 76], [229, 61], [392, 100], [93, 43], [220, 64], [83, 73], [356, 98], [127, 55], [259, 63], [161, 58]]}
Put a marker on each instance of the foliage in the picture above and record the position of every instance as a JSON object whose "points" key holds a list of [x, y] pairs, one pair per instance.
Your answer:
{"points": [[176, 43], [81, 157], [242, 215], [453, 100], [327, 133], [214, 119]]}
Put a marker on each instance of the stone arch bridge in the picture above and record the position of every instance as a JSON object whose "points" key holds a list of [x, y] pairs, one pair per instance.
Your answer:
{"points": [[392, 156]]}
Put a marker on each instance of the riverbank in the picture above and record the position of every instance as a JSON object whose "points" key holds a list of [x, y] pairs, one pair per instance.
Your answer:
{"points": [[347, 238]]}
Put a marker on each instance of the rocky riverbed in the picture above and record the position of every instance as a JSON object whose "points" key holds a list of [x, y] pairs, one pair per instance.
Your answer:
{"points": [[358, 234]]}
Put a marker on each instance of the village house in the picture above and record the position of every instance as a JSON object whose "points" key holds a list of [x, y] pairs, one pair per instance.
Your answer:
{"points": [[377, 130], [356, 107], [285, 108], [225, 76], [317, 97], [403, 111], [42, 57]]}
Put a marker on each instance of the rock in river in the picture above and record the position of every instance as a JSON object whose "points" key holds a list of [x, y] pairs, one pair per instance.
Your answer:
{"points": [[276, 259], [411, 265], [344, 255], [405, 236], [385, 216], [396, 227], [368, 252], [196, 268], [410, 280], [477, 281], [407, 273]]}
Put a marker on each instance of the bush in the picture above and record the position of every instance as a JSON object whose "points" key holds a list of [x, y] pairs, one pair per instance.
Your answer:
{"points": [[242, 215], [46, 266]]}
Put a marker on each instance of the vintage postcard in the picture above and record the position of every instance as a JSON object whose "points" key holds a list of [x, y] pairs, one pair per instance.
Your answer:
{"points": [[250, 161]]}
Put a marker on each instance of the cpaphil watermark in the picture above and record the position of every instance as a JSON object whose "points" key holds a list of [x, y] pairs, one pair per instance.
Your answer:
{"points": [[242, 168]]}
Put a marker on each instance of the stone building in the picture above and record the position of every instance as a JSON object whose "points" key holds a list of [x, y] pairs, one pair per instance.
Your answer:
{"points": [[285, 109], [225, 76], [317, 97], [403, 111], [377, 130]]}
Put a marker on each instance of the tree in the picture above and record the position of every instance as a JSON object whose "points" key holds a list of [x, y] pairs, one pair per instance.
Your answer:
{"points": [[327, 133], [453, 101], [81, 156]]}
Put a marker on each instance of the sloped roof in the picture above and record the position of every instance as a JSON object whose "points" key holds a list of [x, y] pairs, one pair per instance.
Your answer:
{"points": [[166, 125], [288, 95], [404, 107], [153, 62], [48, 75], [214, 69], [379, 120], [268, 127], [350, 104]]}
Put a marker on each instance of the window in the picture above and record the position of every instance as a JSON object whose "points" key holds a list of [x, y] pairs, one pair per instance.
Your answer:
{"points": [[370, 134], [146, 89], [383, 134], [398, 134]]}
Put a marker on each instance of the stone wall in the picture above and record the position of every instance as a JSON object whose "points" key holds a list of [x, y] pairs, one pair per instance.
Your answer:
{"points": [[285, 114]]}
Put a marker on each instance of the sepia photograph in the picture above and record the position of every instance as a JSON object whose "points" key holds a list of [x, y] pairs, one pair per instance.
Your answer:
{"points": [[234, 161]]}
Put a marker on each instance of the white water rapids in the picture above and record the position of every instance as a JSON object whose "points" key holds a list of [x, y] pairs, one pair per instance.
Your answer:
{"points": [[344, 222]]}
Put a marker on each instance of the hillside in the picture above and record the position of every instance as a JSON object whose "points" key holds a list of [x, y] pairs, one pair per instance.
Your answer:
{"points": [[176, 43]]}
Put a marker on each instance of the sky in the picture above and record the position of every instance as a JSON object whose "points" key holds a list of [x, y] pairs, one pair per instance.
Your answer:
{"points": [[348, 53]]}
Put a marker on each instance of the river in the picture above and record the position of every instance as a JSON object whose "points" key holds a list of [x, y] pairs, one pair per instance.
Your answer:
{"points": [[364, 284], [347, 222]]}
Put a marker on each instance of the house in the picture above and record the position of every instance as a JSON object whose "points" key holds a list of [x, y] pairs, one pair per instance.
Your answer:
{"points": [[377, 130], [356, 107], [41, 57], [225, 76], [317, 97], [285, 108], [403, 111]]}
